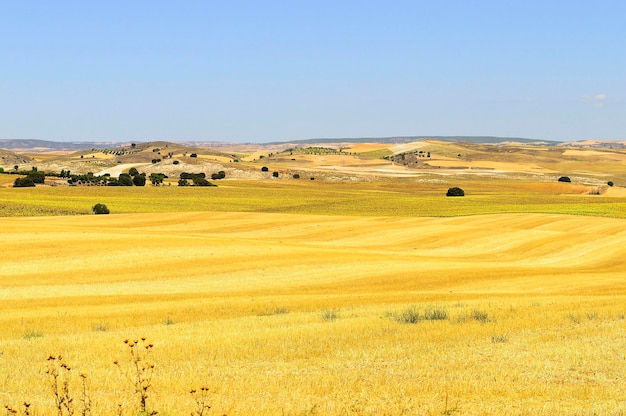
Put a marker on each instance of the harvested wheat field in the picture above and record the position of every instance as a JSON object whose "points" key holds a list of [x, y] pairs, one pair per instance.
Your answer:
{"points": [[271, 314]]}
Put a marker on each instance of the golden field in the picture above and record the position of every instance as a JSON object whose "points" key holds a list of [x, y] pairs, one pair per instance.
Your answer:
{"points": [[292, 297]]}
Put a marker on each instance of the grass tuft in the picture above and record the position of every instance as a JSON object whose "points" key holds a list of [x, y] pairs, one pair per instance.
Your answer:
{"points": [[30, 334], [329, 315]]}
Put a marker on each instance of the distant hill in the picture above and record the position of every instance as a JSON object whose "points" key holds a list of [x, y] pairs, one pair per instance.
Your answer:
{"points": [[46, 145], [408, 139]]}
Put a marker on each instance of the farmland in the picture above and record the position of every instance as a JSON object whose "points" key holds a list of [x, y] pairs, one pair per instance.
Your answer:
{"points": [[377, 296]]}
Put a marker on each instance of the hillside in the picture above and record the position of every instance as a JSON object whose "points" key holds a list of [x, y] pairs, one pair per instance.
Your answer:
{"points": [[591, 162]]}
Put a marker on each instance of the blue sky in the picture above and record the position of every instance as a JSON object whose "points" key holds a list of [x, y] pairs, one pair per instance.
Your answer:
{"points": [[258, 71]]}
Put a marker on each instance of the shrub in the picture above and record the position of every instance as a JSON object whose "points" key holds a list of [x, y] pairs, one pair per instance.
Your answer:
{"points": [[193, 155], [264, 169], [176, 162], [23, 182], [100, 209], [200, 181], [133, 172], [37, 177], [183, 182], [139, 180], [610, 183], [455, 192], [296, 176], [564, 179], [275, 174], [125, 180], [157, 178]]}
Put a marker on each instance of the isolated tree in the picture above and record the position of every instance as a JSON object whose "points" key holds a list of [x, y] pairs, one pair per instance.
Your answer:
{"points": [[564, 179], [275, 174], [610, 183], [100, 209], [264, 169], [455, 191]]}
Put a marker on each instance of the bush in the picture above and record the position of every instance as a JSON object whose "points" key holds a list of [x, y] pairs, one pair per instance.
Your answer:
{"points": [[296, 176], [139, 180], [564, 179], [125, 180], [26, 182], [610, 183], [264, 169], [100, 209], [200, 181], [133, 172], [193, 155], [455, 192], [275, 174], [37, 177], [157, 178]]}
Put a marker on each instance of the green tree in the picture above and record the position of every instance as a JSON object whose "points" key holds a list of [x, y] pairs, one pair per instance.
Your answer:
{"points": [[26, 182], [100, 209], [37, 177], [133, 172], [455, 192], [139, 180], [125, 179], [157, 178]]}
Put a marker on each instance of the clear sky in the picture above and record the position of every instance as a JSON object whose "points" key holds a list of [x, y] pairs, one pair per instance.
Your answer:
{"points": [[267, 70]]}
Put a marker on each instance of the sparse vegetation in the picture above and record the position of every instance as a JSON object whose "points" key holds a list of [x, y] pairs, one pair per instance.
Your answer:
{"points": [[329, 315]]}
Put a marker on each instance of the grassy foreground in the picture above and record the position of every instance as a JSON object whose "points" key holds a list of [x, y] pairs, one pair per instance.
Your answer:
{"points": [[297, 298]]}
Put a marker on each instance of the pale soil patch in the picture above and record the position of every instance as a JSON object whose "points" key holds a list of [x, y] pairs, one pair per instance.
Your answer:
{"points": [[121, 168], [613, 191], [576, 152], [406, 147]]}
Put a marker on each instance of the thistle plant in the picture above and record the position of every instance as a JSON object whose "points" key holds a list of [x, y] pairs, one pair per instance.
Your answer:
{"points": [[140, 372]]}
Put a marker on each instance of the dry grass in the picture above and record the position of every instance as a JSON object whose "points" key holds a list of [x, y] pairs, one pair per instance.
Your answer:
{"points": [[295, 314]]}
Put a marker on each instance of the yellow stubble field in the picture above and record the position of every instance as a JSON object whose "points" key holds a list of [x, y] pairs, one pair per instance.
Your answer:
{"points": [[282, 313]]}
